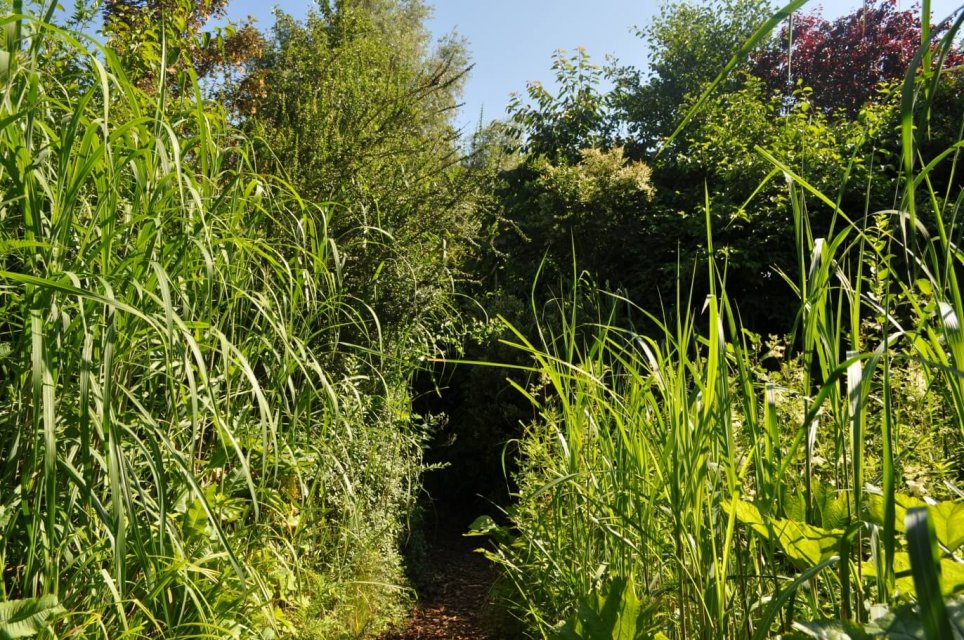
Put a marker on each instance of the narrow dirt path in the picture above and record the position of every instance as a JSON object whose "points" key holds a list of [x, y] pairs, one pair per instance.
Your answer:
{"points": [[455, 591]]}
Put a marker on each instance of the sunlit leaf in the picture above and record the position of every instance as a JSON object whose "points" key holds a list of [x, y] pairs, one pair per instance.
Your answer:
{"points": [[616, 613], [28, 617], [947, 517], [805, 545]]}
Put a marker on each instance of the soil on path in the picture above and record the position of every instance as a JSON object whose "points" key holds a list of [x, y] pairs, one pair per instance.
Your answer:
{"points": [[454, 592]]}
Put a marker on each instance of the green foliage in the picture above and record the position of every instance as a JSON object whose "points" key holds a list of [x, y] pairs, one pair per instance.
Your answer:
{"points": [[191, 448], [806, 546], [752, 493], [932, 618], [541, 211], [689, 44], [208, 338], [946, 517], [615, 613], [926, 569], [158, 40], [27, 617], [634, 235], [355, 110], [752, 212], [590, 207], [900, 623], [577, 117], [354, 107]]}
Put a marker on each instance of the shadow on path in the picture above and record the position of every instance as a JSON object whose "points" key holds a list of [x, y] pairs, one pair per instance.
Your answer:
{"points": [[454, 592]]}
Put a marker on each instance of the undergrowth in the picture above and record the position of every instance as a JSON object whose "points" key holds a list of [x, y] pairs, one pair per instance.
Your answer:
{"points": [[188, 447]]}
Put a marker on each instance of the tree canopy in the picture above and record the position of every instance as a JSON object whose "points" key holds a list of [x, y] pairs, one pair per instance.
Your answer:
{"points": [[688, 44], [355, 106], [844, 61], [153, 34]]}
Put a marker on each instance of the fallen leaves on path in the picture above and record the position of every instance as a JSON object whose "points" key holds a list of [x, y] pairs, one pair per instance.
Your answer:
{"points": [[455, 593]]}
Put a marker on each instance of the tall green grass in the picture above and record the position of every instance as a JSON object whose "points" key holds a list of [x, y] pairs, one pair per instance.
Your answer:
{"points": [[188, 449], [671, 484]]}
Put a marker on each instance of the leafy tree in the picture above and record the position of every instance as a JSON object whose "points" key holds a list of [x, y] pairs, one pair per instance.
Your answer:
{"points": [[355, 105], [844, 61], [943, 129], [142, 31], [689, 44], [402, 22], [576, 117], [591, 210]]}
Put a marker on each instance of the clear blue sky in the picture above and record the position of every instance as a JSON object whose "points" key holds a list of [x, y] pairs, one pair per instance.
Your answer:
{"points": [[512, 41]]}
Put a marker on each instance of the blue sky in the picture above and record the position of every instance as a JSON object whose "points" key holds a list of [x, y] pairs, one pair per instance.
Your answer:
{"points": [[512, 41]]}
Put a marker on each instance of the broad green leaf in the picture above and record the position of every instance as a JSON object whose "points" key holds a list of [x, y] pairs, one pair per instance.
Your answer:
{"points": [[952, 574], [947, 517], [874, 508], [795, 505], [194, 521], [616, 614], [482, 526], [486, 526], [902, 623], [827, 630], [832, 506], [27, 617], [805, 545]]}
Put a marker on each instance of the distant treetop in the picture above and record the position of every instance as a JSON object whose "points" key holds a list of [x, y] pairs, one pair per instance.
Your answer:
{"points": [[846, 60]]}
